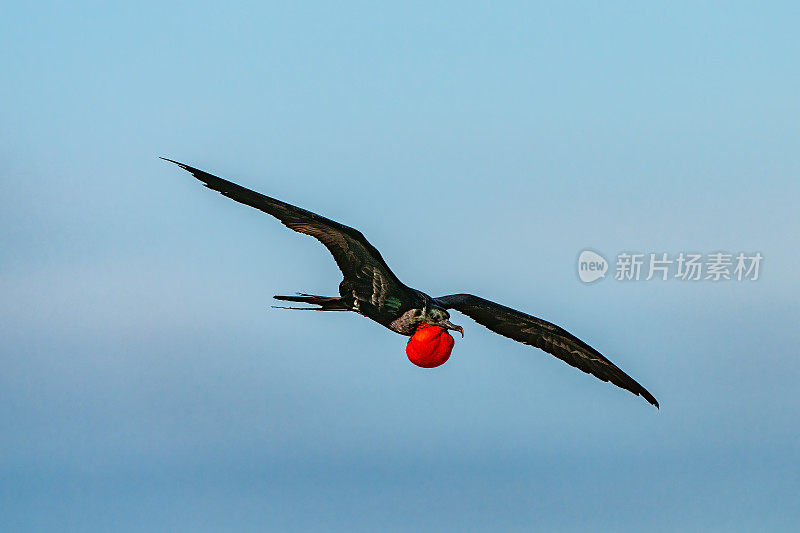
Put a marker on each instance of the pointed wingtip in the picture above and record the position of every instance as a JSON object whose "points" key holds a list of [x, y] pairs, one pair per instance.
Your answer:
{"points": [[171, 161], [652, 400]]}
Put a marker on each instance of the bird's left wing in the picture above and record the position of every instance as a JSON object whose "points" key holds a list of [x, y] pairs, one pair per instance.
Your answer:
{"points": [[542, 334], [366, 275]]}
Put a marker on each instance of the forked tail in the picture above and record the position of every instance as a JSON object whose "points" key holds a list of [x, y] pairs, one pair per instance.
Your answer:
{"points": [[325, 303]]}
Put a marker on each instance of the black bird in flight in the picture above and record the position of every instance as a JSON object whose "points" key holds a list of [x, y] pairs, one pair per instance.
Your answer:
{"points": [[371, 289]]}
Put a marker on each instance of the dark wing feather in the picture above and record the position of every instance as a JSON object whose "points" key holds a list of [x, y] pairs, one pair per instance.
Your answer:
{"points": [[542, 334], [366, 275]]}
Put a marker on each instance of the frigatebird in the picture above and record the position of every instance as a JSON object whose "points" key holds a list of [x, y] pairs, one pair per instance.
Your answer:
{"points": [[371, 289]]}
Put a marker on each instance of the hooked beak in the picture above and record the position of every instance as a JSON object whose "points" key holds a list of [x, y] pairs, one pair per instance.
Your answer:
{"points": [[450, 325]]}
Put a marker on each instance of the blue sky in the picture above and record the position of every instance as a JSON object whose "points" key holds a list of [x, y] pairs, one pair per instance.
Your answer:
{"points": [[147, 385]]}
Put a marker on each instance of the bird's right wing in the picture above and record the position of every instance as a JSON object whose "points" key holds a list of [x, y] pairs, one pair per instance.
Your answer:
{"points": [[552, 339], [366, 275]]}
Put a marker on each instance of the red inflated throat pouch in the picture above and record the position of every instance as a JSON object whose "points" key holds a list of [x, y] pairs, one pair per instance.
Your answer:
{"points": [[430, 346]]}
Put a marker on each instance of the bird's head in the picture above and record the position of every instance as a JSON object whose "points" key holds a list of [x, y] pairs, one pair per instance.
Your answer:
{"points": [[438, 316]]}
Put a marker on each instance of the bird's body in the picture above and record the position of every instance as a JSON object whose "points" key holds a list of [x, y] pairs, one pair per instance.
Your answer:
{"points": [[371, 289], [399, 311]]}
